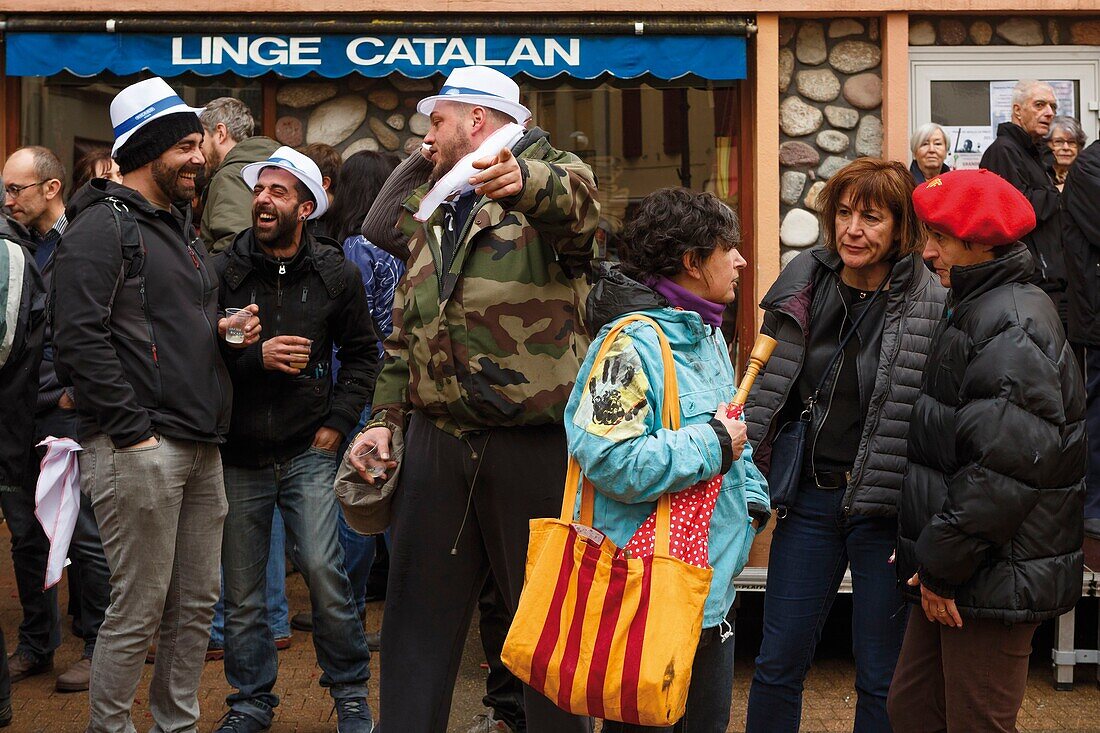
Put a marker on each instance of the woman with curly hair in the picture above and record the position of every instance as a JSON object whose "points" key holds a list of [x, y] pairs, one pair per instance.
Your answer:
{"points": [[680, 267], [853, 319]]}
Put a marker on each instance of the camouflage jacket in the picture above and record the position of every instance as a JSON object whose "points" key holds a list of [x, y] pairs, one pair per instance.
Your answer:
{"points": [[497, 340]]}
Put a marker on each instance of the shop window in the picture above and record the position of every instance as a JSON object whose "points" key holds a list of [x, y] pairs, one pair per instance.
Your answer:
{"points": [[641, 136], [968, 90], [70, 114]]}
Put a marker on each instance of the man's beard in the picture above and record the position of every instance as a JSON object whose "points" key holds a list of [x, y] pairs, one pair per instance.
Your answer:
{"points": [[448, 156], [172, 182], [279, 233]]}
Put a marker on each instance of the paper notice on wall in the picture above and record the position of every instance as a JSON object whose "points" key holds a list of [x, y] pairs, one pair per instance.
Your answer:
{"points": [[1000, 100], [965, 145]]}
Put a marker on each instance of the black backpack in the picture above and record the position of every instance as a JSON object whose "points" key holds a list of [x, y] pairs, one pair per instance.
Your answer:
{"points": [[133, 262]]}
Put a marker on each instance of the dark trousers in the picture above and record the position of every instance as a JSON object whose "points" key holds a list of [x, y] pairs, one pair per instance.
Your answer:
{"points": [[1092, 428], [811, 549], [710, 694], [40, 630], [503, 691], [442, 555], [967, 680]]}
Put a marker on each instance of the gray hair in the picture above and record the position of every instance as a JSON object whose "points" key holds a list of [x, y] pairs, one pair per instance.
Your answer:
{"points": [[1070, 125], [231, 112], [1025, 90], [922, 133]]}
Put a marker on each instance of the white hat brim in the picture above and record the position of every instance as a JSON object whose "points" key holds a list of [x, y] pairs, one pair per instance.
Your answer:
{"points": [[251, 173], [517, 111], [120, 141]]}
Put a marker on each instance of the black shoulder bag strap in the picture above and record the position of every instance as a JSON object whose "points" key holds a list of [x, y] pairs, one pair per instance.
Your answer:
{"points": [[789, 445]]}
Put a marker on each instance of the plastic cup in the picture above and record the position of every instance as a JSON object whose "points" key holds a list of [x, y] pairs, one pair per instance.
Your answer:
{"points": [[363, 451], [238, 319]]}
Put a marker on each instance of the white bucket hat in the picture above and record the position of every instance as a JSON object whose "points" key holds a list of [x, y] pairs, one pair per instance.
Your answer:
{"points": [[139, 104], [300, 166], [482, 86]]}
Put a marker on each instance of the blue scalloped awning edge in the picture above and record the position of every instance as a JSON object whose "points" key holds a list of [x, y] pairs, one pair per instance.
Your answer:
{"points": [[334, 56]]}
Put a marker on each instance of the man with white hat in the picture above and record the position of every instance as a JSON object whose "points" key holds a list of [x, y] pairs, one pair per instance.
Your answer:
{"points": [[136, 333], [289, 419], [486, 344]]}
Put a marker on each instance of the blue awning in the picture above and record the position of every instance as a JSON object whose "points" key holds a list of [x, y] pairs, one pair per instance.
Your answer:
{"points": [[542, 57]]}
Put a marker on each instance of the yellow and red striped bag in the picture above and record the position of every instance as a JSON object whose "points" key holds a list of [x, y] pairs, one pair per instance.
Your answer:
{"points": [[604, 636]]}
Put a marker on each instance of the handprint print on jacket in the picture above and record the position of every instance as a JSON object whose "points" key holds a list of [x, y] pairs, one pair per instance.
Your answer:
{"points": [[615, 404]]}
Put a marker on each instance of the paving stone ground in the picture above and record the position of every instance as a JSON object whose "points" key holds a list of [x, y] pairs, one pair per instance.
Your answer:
{"points": [[305, 708]]}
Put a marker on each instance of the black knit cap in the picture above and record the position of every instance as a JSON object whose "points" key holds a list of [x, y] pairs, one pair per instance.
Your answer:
{"points": [[150, 140]]}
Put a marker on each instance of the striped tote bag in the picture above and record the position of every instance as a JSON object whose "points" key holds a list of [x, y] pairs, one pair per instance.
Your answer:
{"points": [[601, 635]]}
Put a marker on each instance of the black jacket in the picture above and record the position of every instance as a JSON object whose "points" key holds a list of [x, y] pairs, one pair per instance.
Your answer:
{"points": [[1014, 157], [1081, 240], [914, 304], [991, 513], [22, 313], [141, 348], [318, 295]]}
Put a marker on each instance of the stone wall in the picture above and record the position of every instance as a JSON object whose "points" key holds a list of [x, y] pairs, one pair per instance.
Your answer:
{"points": [[354, 113], [1004, 31], [830, 96]]}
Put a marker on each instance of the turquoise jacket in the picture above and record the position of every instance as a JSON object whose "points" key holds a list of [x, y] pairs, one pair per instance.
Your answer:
{"points": [[613, 422]]}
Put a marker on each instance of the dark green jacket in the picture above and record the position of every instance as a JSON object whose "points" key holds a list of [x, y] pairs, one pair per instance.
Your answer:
{"points": [[227, 201]]}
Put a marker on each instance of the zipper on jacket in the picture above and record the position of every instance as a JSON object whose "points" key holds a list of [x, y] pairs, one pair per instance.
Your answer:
{"points": [[828, 407], [149, 323]]}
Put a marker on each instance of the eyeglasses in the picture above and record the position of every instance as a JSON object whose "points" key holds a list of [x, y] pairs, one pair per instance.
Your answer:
{"points": [[14, 190], [1059, 143]]}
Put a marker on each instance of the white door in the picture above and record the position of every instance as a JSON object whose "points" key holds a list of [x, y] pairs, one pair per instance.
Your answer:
{"points": [[966, 89]]}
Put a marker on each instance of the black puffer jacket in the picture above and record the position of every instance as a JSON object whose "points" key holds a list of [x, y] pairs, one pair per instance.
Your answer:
{"points": [[914, 305], [991, 512], [1081, 238], [318, 295]]}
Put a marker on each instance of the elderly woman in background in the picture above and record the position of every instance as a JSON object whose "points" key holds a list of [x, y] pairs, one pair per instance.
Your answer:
{"points": [[1066, 139], [856, 394], [929, 148]]}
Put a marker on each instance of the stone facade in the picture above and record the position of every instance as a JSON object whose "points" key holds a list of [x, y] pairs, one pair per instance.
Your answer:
{"points": [[829, 114], [354, 113], [1005, 31]]}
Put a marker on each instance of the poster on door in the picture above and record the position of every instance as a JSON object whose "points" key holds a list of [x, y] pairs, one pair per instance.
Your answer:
{"points": [[965, 145], [1000, 100]]}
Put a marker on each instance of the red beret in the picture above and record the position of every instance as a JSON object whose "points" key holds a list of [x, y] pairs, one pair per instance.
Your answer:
{"points": [[975, 206]]}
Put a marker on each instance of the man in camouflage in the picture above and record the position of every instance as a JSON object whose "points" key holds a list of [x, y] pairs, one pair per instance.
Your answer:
{"points": [[486, 344]]}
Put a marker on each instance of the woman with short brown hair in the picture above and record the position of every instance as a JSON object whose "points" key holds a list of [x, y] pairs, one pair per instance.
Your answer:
{"points": [[853, 319]]}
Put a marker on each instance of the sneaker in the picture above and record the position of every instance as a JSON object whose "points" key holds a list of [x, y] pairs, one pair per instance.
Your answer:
{"points": [[238, 722], [353, 715], [374, 641], [1092, 528], [76, 677], [22, 665], [486, 723], [282, 642], [214, 652], [5, 714]]}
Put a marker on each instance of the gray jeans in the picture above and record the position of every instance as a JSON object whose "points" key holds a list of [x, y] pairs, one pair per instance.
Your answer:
{"points": [[160, 512]]}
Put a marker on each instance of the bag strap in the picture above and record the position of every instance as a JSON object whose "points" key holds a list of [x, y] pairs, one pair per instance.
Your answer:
{"points": [[670, 418], [808, 411]]}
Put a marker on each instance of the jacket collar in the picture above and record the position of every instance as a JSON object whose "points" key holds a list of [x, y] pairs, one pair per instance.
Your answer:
{"points": [[1017, 266], [1019, 137], [320, 254]]}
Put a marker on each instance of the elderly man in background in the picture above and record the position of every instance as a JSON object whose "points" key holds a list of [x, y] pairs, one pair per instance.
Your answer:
{"points": [[1020, 155], [228, 145]]}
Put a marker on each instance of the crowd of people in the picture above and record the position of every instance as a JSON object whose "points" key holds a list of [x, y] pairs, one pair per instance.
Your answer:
{"points": [[225, 324]]}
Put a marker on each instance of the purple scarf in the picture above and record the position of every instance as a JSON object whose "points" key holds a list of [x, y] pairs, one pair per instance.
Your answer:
{"points": [[678, 297]]}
